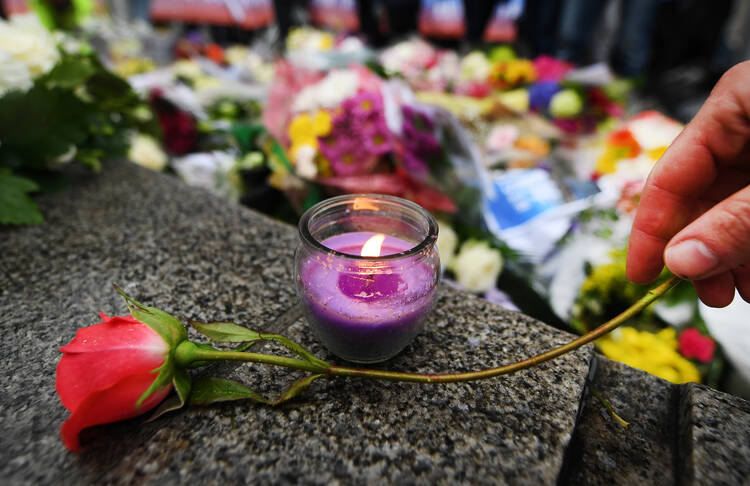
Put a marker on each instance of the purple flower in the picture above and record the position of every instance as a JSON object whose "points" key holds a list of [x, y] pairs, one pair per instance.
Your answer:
{"points": [[378, 142], [365, 105], [541, 93], [414, 165], [417, 119]]}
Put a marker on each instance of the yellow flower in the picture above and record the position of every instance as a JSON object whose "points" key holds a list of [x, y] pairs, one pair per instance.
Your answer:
{"points": [[656, 153], [305, 129], [322, 123], [520, 71], [300, 128], [655, 353]]}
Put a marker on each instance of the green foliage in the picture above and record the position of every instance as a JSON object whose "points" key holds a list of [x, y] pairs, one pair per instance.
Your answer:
{"points": [[78, 109], [226, 332], [209, 389], [16, 207], [607, 291]]}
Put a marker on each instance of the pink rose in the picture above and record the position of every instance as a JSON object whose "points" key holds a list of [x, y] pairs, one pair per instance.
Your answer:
{"points": [[104, 372]]}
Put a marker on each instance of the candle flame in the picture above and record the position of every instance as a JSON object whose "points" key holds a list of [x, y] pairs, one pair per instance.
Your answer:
{"points": [[373, 245]]}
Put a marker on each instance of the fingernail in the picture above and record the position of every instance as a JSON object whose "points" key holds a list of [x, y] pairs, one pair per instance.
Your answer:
{"points": [[690, 259]]}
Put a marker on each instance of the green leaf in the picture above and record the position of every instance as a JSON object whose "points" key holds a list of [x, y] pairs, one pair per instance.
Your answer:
{"points": [[226, 332], [165, 325], [296, 388], [172, 403], [296, 349], [70, 72], [16, 207], [208, 389], [39, 125]]}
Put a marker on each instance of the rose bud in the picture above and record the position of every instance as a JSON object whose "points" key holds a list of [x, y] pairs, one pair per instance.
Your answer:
{"points": [[119, 368], [104, 371]]}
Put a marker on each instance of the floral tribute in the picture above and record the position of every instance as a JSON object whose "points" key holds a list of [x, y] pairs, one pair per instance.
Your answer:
{"points": [[52, 81], [349, 131], [125, 366]]}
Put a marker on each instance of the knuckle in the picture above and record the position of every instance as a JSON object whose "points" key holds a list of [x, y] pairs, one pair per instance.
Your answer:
{"points": [[734, 223]]}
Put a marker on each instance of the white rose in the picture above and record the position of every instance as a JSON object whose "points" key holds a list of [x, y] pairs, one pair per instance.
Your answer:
{"points": [[329, 92], [210, 170], [187, 69], [236, 55], [63, 159], [146, 152], [26, 40], [304, 162], [475, 67], [447, 242], [477, 266], [13, 74]]}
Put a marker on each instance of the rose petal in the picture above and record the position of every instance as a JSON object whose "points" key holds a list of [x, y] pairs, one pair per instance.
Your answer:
{"points": [[102, 354], [111, 405], [80, 374]]}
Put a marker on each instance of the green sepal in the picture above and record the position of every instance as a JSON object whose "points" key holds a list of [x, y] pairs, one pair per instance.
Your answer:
{"points": [[296, 388], [226, 332], [182, 385], [165, 376], [208, 389], [165, 325]]}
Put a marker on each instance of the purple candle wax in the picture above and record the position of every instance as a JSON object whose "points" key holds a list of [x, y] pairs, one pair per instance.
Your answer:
{"points": [[366, 310]]}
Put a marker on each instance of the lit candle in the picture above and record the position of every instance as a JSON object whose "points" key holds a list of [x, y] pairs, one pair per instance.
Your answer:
{"points": [[366, 293]]}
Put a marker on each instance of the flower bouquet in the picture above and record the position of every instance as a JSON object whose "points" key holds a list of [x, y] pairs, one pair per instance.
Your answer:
{"points": [[58, 104], [349, 131]]}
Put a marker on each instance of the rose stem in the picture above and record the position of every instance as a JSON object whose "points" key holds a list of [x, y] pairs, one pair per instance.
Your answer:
{"points": [[195, 353]]}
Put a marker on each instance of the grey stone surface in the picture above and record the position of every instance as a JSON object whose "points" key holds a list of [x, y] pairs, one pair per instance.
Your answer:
{"points": [[714, 439], [605, 452], [200, 258], [196, 256]]}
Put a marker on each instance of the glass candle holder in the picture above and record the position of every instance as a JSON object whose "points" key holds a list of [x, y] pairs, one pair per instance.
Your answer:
{"points": [[367, 271]]}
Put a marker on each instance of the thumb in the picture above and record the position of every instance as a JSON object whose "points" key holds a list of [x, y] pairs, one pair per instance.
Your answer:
{"points": [[718, 241]]}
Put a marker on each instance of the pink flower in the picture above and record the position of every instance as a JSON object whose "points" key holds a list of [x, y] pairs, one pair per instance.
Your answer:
{"points": [[104, 372], [695, 345], [551, 69], [414, 165]]}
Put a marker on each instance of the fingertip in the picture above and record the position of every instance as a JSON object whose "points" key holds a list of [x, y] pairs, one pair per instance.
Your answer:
{"points": [[644, 261], [716, 291], [742, 281]]}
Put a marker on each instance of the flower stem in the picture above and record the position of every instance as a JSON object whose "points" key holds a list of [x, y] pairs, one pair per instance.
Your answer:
{"points": [[638, 306], [187, 353]]}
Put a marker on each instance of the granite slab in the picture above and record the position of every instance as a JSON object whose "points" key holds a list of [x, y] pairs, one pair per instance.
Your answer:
{"points": [[644, 452], [201, 258], [714, 437]]}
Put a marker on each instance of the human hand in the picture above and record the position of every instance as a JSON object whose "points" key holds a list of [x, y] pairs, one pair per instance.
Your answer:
{"points": [[694, 214]]}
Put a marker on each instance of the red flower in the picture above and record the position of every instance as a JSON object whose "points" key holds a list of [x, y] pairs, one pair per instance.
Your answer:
{"points": [[214, 52], [179, 127], [104, 372], [693, 344]]}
